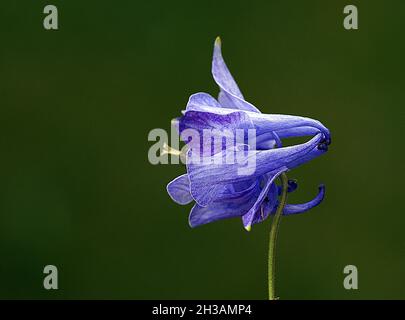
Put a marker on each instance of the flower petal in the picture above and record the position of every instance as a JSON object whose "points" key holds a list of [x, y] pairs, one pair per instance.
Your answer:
{"points": [[267, 206], [287, 125], [283, 125], [300, 208], [297, 132], [221, 73], [233, 206], [230, 95], [206, 175], [179, 190], [268, 140], [201, 99], [250, 216], [271, 202], [211, 133]]}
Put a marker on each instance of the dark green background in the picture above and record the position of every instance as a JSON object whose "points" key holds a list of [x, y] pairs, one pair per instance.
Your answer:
{"points": [[76, 187]]}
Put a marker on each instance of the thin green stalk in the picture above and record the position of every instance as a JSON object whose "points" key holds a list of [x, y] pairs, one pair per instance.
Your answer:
{"points": [[273, 236]]}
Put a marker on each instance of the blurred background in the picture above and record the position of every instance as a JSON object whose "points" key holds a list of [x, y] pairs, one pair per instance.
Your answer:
{"points": [[77, 190]]}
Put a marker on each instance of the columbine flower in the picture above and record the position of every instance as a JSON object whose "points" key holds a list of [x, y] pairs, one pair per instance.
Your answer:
{"points": [[217, 187]]}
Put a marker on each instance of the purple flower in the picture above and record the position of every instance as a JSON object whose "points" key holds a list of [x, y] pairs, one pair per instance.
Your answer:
{"points": [[217, 186]]}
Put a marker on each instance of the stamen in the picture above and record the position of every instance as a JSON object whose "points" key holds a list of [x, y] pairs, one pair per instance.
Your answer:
{"points": [[169, 150]]}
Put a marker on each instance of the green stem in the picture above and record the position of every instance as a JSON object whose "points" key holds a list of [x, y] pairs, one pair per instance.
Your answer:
{"points": [[273, 236]]}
